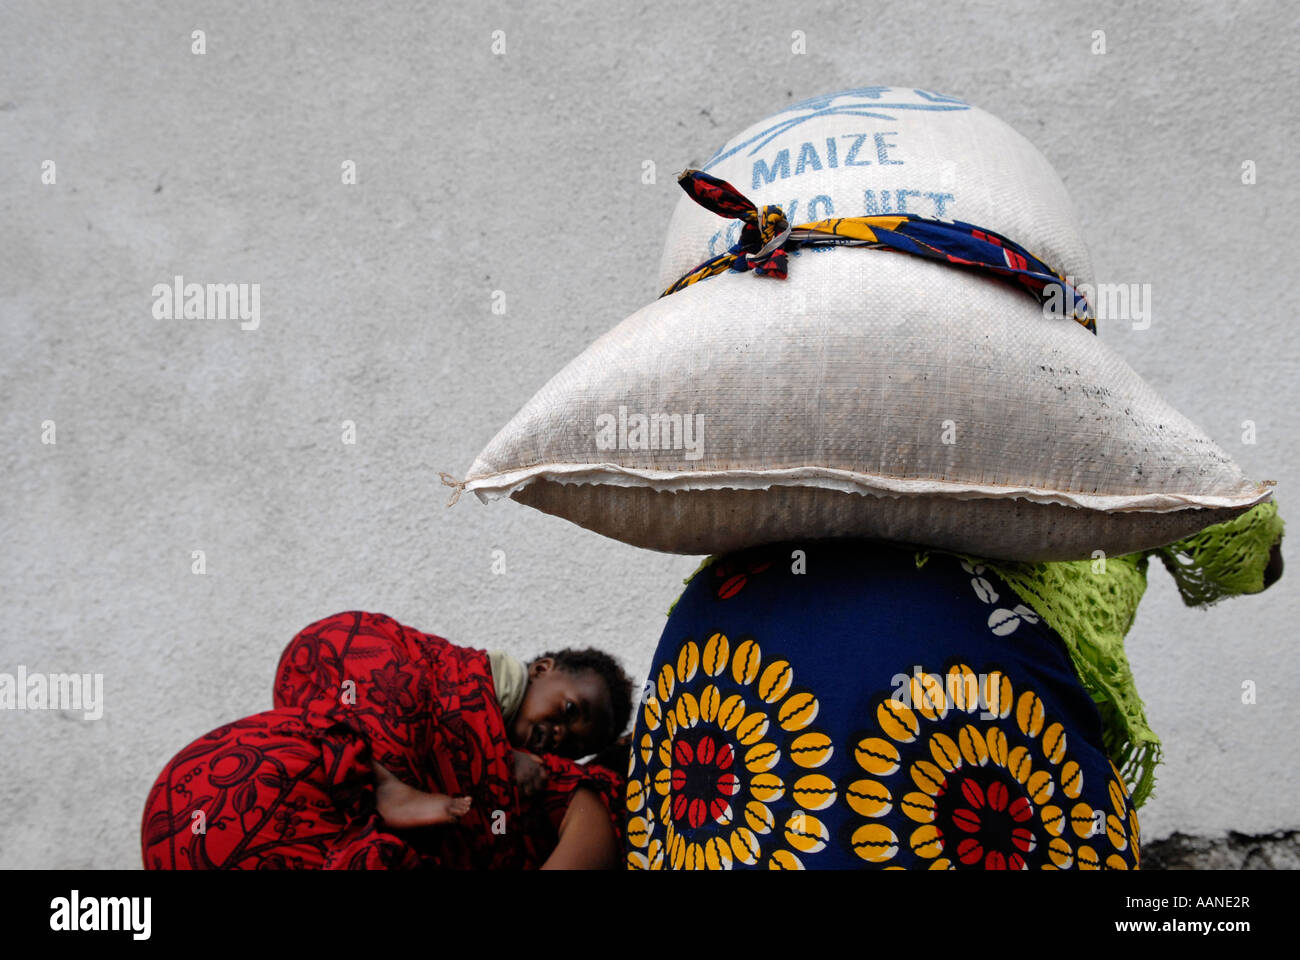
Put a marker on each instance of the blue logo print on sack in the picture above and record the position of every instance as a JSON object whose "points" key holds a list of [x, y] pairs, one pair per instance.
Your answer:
{"points": [[866, 103]]}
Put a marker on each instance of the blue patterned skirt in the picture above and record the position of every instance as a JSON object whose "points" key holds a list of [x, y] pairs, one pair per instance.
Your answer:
{"points": [[830, 705]]}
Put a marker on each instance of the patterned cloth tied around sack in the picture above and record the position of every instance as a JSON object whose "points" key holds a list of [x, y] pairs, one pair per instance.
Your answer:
{"points": [[766, 236], [1092, 607]]}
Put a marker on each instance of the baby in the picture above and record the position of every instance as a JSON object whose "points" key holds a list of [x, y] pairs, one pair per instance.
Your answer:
{"points": [[571, 703], [377, 726]]}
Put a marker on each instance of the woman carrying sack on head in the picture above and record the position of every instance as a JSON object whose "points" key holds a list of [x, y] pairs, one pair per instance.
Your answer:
{"points": [[931, 488], [854, 703]]}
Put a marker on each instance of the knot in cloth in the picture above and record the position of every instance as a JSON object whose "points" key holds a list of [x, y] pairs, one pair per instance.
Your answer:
{"points": [[766, 238]]}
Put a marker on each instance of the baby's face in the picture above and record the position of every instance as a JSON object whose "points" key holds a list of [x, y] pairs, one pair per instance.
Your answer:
{"points": [[567, 714]]}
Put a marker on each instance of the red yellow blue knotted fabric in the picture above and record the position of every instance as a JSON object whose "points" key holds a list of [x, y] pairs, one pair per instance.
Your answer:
{"points": [[766, 238]]}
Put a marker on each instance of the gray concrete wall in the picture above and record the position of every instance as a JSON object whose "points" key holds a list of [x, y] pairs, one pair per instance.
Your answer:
{"points": [[522, 173]]}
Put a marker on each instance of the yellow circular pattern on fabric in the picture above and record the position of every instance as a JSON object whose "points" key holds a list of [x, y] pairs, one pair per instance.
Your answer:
{"points": [[716, 651]]}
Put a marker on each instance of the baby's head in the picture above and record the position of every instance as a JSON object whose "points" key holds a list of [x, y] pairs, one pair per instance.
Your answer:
{"points": [[577, 702]]}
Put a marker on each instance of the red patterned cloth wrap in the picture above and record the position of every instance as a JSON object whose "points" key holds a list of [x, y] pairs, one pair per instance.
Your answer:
{"points": [[293, 787]]}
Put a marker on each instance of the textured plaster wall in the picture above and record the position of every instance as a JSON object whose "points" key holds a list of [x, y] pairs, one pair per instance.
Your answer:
{"points": [[522, 173]]}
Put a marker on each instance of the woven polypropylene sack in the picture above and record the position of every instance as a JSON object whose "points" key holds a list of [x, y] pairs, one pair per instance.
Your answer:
{"points": [[872, 393]]}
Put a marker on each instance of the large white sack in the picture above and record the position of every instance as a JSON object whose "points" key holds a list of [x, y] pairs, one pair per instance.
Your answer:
{"points": [[871, 393]]}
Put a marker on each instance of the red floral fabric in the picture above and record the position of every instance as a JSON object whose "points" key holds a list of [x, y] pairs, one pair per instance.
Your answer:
{"points": [[292, 787]]}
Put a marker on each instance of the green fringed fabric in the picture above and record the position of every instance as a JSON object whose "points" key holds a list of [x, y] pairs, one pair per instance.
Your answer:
{"points": [[1224, 560], [1092, 604]]}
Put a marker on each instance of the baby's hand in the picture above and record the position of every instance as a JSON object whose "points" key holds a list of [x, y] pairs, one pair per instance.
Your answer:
{"points": [[530, 774]]}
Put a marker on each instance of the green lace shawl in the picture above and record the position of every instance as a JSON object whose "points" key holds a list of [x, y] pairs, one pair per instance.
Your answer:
{"points": [[1091, 604]]}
